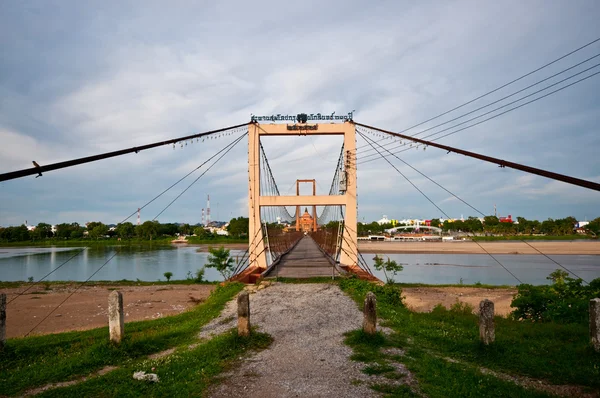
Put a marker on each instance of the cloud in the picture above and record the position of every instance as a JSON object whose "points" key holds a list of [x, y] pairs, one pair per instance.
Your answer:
{"points": [[77, 80]]}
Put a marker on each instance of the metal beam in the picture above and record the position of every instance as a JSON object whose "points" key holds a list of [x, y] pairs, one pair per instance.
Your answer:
{"points": [[303, 200], [69, 163], [503, 163]]}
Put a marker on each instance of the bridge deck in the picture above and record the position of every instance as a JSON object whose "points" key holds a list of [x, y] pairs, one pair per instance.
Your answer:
{"points": [[304, 261]]}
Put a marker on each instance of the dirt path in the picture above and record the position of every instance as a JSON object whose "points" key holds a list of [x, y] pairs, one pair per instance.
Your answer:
{"points": [[423, 299], [468, 247], [308, 357], [87, 308]]}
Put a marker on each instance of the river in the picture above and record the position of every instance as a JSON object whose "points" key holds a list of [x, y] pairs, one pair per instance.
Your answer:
{"points": [[150, 263]]}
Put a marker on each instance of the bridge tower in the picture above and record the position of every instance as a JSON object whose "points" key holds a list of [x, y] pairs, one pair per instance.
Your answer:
{"points": [[257, 253]]}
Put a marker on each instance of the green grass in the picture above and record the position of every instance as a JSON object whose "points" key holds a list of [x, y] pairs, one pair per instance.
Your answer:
{"points": [[530, 237], [35, 361], [183, 374], [559, 354]]}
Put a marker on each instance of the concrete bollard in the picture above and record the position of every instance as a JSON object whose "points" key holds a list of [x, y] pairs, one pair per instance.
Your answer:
{"points": [[2, 320], [487, 333], [370, 314], [116, 319], [243, 302], [595, 323]]}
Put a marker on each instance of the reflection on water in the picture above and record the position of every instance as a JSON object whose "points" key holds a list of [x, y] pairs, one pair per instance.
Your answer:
{"points": [[149, 263]]}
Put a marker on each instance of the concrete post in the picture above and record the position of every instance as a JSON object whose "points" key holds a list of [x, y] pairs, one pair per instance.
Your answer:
{"points": [[2, 320], [370, 314], [487, 333], [116, 320], [243, 302], [595, 323]]}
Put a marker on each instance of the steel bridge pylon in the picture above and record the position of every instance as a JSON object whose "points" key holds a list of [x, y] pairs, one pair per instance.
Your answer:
{"points": [[257, 249]]}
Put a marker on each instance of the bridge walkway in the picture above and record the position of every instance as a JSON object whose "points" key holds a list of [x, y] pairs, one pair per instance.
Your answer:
{"points": [[305, 260]]}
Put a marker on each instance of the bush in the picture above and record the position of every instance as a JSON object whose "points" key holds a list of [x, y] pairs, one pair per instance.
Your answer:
{"points": [[388, 294], [565, 301]]}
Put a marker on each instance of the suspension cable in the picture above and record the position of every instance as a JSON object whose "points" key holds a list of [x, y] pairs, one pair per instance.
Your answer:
{"points": [[482, 248]]}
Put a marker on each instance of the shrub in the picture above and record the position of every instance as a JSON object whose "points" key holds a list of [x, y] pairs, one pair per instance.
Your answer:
{"points": [[565, 301], [219, 259], [168, 275], [388, 294]]}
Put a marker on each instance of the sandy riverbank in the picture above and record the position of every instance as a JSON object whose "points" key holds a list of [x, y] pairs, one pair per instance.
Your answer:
{"points": [[87, 308], [469, 247]]}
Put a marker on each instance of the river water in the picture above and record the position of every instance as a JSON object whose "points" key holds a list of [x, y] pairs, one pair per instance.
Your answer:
{"points": [[150, 263]]}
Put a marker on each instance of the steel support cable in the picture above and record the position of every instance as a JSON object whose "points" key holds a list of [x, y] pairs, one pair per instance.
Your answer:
{"points": [[229, 147], [69, 163], [363, 158], [406, 163], [444, 213], [480, 212], [82, 250], [357, 257], [410, 138], [503, 163], [504, 85], [45, 276], [72, 293], [170, 187], [358, 251], [503, 98], [251, 243], [117, 251]]}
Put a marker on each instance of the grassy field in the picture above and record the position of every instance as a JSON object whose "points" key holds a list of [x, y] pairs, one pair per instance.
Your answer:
{"points": [[443, 351], [31, 362]]}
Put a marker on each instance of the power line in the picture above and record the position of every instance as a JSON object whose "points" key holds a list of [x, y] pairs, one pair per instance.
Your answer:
{"points": [[365, 158]]}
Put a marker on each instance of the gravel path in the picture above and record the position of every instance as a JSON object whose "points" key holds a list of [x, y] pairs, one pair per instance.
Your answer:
{"points": [[308, 357]]}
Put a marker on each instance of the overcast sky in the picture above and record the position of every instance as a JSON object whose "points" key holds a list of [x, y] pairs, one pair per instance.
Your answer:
{"points": [[79, 78]]}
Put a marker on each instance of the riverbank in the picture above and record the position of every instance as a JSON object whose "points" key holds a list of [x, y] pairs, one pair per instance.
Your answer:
{"points": [[469, 247], [87, 308]]}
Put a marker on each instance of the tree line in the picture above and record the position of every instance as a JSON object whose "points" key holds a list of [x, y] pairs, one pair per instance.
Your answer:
{"points": [[96, 230], [491, 225]]}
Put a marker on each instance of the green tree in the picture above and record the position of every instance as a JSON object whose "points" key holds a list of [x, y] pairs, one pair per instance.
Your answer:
{"points": [[435, 222], [220, 260], [185, 229], [387, 266], [202, 233], [99, 231], [594, 226], [43, 231], [168, 275], [238, 227], [149, 229], [125, 230]]}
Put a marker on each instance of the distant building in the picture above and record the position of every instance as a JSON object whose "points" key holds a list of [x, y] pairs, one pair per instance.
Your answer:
{"points": [[506, 219], [306, 222]]}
